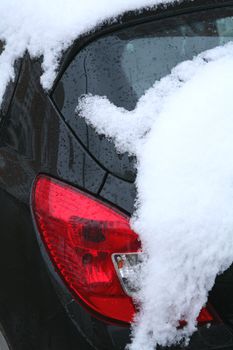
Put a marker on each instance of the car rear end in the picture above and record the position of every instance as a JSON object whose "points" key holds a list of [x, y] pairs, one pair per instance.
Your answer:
{"points": [[74, 194]]}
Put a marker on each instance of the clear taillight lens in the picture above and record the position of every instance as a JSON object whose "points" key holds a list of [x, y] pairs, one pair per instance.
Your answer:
{"points": [[128, 268]]}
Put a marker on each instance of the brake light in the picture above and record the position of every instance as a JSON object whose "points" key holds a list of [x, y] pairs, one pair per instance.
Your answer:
{"points": [[92, 248], [80, 234], [205, 316]]}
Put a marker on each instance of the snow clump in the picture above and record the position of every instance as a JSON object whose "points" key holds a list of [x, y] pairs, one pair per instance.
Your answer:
{"points": [[181, 133]]}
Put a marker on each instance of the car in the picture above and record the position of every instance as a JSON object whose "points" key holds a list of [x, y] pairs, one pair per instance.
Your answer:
{"points": [[66, 195]]}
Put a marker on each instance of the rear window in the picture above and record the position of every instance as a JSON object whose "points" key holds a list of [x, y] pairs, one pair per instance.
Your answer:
{"points": [[124, 64]]}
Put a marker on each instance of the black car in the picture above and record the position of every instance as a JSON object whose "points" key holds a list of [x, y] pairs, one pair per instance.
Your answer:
{"points": [[66, 196]]}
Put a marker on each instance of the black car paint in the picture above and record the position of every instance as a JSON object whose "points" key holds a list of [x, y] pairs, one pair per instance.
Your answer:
{"points": [[36, 310]]}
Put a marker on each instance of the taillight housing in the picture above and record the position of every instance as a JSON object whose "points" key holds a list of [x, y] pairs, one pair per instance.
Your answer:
{"points": [[81, 234], [92, 248]]}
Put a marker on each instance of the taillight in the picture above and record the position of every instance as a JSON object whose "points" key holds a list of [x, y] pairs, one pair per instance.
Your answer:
{"points": [[205, 316], [81, 234], [92, 248]]}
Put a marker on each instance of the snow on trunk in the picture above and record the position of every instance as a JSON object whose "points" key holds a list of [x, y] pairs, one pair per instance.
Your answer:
{"points": [[181, 132]]}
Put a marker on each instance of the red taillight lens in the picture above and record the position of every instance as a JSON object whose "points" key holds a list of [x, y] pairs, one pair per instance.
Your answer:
{"points": [[81, 234], [205, 316], [83, 238]]}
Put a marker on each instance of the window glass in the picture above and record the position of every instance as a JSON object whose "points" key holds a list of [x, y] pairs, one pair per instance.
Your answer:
{"points": [[9, 89], [124, 64]]}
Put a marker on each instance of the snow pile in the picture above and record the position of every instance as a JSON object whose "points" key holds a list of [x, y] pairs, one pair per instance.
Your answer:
{"points": [[181, 132], [46, 28]]}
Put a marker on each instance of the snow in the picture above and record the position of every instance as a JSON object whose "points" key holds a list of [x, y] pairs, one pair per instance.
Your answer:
{"points": [[47, 28], [181, 133]]}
